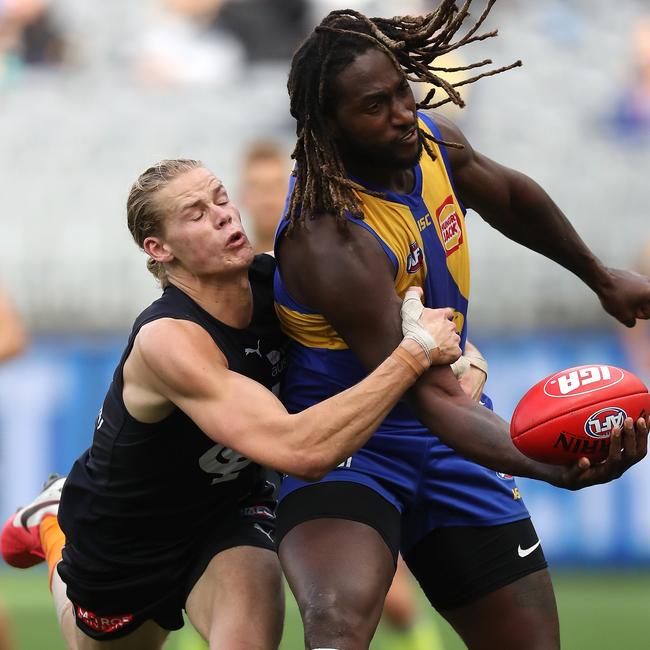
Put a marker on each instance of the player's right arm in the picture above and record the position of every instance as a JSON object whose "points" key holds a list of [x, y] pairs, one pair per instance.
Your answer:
{"points": [[346, 264], [243, 415]]}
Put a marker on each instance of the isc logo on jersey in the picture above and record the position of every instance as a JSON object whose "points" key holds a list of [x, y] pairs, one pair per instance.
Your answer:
{"points": [[582, 380], [602, 422], [451, 229], [415, 258]]}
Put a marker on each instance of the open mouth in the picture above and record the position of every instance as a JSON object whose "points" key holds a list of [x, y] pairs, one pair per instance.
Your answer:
{"points": [[236, 240], [410, 135]]}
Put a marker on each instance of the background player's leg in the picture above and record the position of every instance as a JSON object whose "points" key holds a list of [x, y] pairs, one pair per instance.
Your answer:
{"points": [[238, 602], [520, 616], [6, 640], [400, 605], [339, 571], [409, 628]]}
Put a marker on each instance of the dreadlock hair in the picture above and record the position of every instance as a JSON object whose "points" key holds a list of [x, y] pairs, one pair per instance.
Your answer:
{"points": [[412, 43]]}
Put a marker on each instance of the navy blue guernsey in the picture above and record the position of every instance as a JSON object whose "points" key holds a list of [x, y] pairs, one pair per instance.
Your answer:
{"points": [[143, 492]]}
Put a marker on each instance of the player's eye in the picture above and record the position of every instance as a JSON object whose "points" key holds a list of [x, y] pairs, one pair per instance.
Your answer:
{"points": [[221, 198]]}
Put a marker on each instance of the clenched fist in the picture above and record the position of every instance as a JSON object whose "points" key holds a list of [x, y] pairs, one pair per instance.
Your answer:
{"points": [[432, 329]]}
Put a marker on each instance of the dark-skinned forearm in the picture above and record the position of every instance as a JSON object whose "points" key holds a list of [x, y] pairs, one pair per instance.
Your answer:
{"points": [[476, 433]]}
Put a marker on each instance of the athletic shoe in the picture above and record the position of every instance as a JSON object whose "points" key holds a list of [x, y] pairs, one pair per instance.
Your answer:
{"points": [[20, 540]]}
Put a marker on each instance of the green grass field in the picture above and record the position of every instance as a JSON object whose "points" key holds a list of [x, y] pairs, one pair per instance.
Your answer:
{"points": [[598, 611]]}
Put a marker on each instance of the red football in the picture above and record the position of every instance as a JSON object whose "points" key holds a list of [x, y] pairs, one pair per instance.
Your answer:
{"points": [[571, 414]]}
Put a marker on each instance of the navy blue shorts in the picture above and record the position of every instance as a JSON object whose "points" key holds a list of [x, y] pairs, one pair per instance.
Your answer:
{"points": [[430, 484]]}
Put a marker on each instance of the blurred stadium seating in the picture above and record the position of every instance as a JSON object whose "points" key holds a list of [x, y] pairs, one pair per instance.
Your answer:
{"points": [[74, 138]]}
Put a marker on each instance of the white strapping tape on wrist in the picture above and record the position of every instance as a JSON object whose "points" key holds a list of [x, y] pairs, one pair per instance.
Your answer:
{"points": [[478, 361], [412, 309], [460, 367]]}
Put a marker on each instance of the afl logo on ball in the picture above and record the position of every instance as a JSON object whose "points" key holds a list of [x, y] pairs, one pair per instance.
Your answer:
{"points": [[603, 422], [582, 380]]}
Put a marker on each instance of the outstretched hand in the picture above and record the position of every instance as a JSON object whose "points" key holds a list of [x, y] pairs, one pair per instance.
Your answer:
{"points": [[627, 447], [626, 296]]}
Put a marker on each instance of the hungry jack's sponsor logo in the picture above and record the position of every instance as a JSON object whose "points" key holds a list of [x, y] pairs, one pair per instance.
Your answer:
{"points": [[451, 229]]}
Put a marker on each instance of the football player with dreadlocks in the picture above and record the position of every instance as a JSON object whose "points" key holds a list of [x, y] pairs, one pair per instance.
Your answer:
{"points": [[377, 204]]}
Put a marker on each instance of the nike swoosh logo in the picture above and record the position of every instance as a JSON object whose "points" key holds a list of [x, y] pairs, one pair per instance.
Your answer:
{"points": [[524, 552]]}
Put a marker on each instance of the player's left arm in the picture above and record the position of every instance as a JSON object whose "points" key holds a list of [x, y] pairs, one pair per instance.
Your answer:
{"points": [[519, 208]]}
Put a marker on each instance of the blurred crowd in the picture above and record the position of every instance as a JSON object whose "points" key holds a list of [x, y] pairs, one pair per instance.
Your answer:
{"points": [[213, 41], [91, 93], [29, 36], [631, 114]]}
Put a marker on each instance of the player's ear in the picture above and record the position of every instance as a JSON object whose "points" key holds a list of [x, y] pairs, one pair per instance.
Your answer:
{"points": [[157, 249]]}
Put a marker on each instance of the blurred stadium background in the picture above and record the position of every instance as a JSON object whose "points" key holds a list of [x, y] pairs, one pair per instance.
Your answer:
{"points": [[92, 93]]}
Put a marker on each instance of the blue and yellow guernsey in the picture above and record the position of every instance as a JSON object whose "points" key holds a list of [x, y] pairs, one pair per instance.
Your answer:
{"points": [[423, 233]]}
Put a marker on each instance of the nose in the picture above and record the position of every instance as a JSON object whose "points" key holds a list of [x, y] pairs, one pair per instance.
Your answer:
{"points": [[403, 113], [221, 219]]}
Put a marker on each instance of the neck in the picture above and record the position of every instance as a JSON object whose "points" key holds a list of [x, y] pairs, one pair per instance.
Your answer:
{"points": [[393, 179], [228, 299]]}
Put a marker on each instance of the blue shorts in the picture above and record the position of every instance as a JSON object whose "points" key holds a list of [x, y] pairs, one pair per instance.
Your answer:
{"points": [[429, 484]]}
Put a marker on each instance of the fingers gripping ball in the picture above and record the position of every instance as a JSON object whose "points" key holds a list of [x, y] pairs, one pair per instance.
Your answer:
{"points": [[412, 308], [572, 413]]}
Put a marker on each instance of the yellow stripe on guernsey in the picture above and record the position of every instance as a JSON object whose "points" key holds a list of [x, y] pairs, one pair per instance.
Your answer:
{"points": [[311, 330], [409, 234], [437, 191]]}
